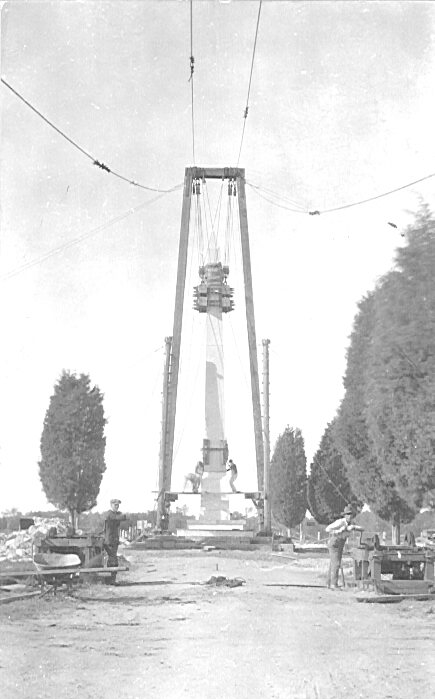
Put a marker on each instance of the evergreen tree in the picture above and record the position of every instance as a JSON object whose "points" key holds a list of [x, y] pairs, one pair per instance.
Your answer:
{"points": [[72, 445], [401, 387], [329, 489], [288, 478], [364, 470]]}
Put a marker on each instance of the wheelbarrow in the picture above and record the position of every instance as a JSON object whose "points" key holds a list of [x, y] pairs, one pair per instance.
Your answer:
{"points": [[65, 567]]}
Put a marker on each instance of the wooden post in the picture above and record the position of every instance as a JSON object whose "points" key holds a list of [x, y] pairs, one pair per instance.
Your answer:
{"points": [[375, 568], [178, 323], [429, 567], [266, 422], [395, 531], [164, 432], [250, 322]]}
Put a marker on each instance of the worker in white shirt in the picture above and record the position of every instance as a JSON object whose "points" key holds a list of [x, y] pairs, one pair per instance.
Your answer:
{"points": [[338, 532], [194, 478], [233, 475]]}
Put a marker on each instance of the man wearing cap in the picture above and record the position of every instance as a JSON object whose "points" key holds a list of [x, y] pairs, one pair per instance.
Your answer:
{"points": [[112, 523], [338, 532]]}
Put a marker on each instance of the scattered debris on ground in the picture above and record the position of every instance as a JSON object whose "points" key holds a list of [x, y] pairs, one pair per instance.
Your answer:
{"points": [[222, 580], [19, 545]]}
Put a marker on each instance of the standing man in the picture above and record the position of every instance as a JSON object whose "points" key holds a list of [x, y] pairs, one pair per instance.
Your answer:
{"points": [[112, 524], [338, 533], [233, 475]]}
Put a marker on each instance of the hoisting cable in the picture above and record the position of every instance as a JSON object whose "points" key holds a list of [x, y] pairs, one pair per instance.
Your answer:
{"points": [[276, 194], [377, 196], [198, 228], [96, 162], [217, 215], [192, 70], [214, 221], [337, 489], [211, 237], [79, 239], [201, 218], [230, 220], [267, 194], [245, 114], [316, 212], [187, 355], [235, 230]]}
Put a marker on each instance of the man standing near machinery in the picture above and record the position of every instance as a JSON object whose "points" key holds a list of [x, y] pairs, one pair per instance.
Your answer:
{"points": [[112, 524], [338, 533]]}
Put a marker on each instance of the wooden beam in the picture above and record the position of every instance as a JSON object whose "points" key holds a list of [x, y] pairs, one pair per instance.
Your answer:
{"points": [[216, 173], [248, 496], [164, 427], [60, 571], [168, 438], [266, 445], [250, 322]]}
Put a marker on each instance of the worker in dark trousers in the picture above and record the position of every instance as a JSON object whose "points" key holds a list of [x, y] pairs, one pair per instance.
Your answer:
{"points": [[233, 475], [338, 532], [112, 524]]}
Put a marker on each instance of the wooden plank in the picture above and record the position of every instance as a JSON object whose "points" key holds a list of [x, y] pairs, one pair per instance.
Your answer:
{"points": [[306, 585], [249, 495], [76, 541], [394, 598], [60, 571], [216, 173], [16, 598]]}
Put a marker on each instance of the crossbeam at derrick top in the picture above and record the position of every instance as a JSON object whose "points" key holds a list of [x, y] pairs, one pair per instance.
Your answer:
{"points": [[215, 173]]}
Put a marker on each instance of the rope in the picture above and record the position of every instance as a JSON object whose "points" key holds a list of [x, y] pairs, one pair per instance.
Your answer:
{"points": [[214, 220], [229, 223], [198, 230], [245, 114], [277, 195], [316, 461], [187, 362], [79, 239], [316, 212], [258, 191], [378, 196], [192, 70], [96, 162]]}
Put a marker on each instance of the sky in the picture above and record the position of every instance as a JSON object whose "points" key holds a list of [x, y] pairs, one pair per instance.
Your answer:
{"points": [[341, 109]]}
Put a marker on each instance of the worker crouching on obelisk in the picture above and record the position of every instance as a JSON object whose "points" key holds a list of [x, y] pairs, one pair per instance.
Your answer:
{"points": [[112, 524], [338, 533], [194, 478]]}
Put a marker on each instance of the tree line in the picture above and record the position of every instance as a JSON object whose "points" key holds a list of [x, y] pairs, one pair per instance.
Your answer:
{"points": [[380, 447]]}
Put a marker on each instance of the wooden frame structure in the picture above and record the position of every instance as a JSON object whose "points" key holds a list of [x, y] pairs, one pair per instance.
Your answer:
{"points": [[173, 344]]}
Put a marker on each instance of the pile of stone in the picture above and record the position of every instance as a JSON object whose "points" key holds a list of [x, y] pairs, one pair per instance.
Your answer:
{"points": [[19, 545]]}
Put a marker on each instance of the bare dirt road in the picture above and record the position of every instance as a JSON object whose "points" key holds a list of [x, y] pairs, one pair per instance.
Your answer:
{"points": [[162, 634]]}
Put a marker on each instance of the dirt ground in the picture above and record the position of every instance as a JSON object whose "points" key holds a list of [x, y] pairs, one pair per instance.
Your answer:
{"points": [[163, 634]]}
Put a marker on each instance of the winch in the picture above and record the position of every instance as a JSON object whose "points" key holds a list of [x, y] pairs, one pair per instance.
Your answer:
{"points": [[393, 569]]}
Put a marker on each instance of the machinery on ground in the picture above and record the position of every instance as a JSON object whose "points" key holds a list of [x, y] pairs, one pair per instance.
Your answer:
{"points": [[404, 569]]}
